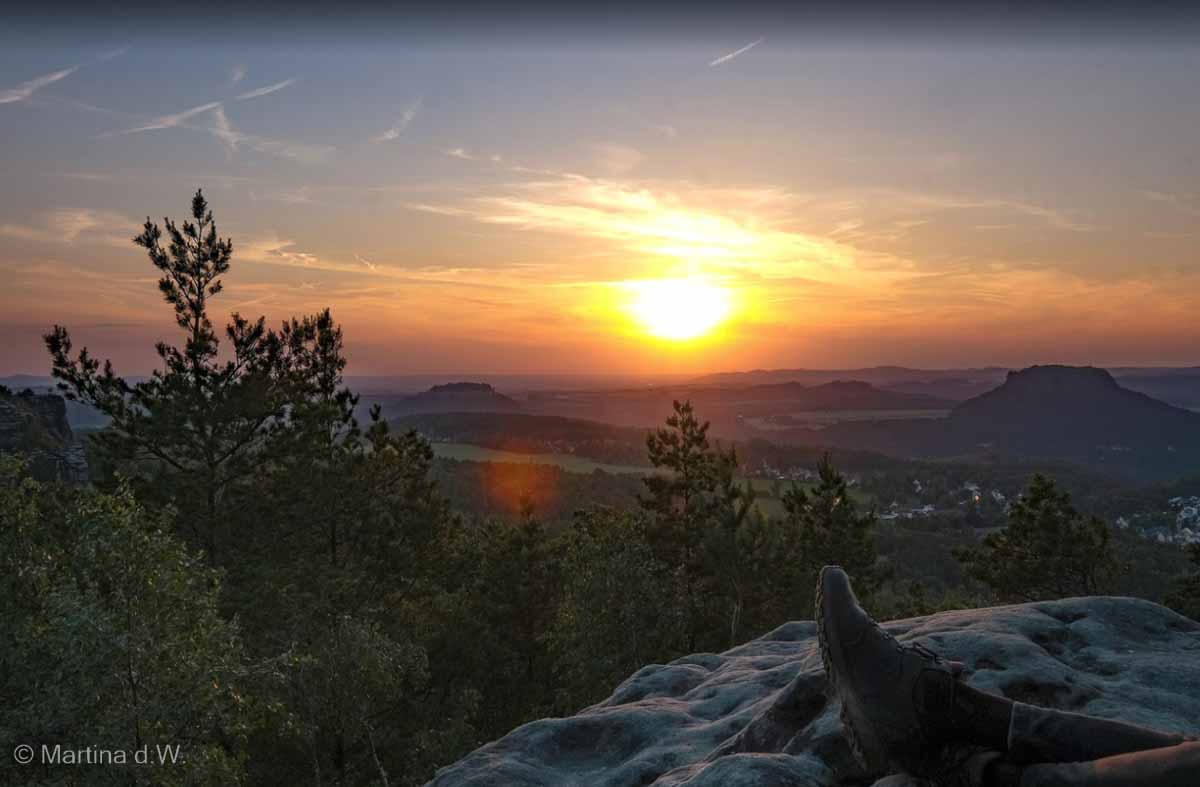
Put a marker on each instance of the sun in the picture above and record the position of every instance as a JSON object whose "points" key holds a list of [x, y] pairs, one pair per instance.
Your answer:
{"points": [[679, 309]]}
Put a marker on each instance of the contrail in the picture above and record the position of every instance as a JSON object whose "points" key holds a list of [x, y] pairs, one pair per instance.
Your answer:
{"points": [[266, 91], [27, 89], [732, 55]]}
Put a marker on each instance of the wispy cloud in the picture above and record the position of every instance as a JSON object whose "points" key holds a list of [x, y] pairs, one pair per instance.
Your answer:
{"points": [[1053, 217], [731, 55], [725, 232], [441, 210], [237, 74], [26, 89], [1184, 203], [370, 265], [406, 117], [302, 195], [267, 90], [110, 54], [68, 225], [173, 120], [275, 251], [617, 159], [459, 153], [223, 130]]}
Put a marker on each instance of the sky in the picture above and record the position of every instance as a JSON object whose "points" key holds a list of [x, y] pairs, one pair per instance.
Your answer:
{"points": [[525, 198]]}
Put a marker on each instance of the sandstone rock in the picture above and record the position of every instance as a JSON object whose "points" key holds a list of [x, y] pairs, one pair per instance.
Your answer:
{"points": [[36, 426], [759, 714]]}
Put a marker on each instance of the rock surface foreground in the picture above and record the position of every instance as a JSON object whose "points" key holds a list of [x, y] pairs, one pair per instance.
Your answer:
{"points": [[759, 714]]}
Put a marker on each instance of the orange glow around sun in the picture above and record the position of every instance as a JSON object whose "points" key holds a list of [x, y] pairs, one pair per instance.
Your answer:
{"points": [[679, 309]]}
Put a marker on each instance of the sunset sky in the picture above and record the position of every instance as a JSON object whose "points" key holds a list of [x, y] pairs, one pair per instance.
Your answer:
{"points": [[528, 203]]}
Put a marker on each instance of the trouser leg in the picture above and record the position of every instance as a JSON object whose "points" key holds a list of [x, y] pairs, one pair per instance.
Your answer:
{"points": [[1042, 735], [1170, 766]]}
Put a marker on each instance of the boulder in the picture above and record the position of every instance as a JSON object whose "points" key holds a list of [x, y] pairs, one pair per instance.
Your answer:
{"points": [[762, 714]]}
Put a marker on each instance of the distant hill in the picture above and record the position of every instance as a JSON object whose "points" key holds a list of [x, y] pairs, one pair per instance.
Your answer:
{"points": [[456, 397], [1177, 385], [1080, 414], [1180, 387], [881, 376], [837, 395]]}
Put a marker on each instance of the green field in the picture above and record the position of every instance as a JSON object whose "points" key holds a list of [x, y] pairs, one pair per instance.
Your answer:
{"points": [[568, 462], [765, 502]]}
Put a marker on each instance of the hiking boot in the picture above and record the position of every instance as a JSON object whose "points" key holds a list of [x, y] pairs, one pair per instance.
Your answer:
{"points": [[896, 699]]}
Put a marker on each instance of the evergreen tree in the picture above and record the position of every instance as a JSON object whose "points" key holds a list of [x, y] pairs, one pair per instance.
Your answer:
{"points": [[830, 530], [697, 510], [191, 434], [1048, 549]]}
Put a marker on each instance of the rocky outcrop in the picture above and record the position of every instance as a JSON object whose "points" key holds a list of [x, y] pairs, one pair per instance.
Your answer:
{"points": [[762, 714], [35, 426]]}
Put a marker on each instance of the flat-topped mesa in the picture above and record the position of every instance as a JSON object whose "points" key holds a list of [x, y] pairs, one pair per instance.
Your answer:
{"points": [[461, 388], [1070, 379], [763, 713], [457, 397]]}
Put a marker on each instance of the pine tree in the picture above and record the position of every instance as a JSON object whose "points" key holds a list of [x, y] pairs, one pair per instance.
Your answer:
{"points": [[830, 530], [193, 434], [1048, 549]]}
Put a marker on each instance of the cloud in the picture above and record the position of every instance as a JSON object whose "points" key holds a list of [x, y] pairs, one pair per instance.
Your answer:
{"points": [[223, 130], [237, 74], [1184, 203], [26, 89], [731, 55], [174, 120], [275, 251], [406, 117], [722, 231], [68, 225], [441, 210], [617, 159], [370, 265], [459, 153], [1058, 219], [297, 196], [266, 91], [667, 130], [110, 54]]}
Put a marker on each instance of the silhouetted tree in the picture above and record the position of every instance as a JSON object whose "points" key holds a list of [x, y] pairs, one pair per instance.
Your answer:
{"points": [[191, 434], [1048, 549], [829, 529], [696, 508]]}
